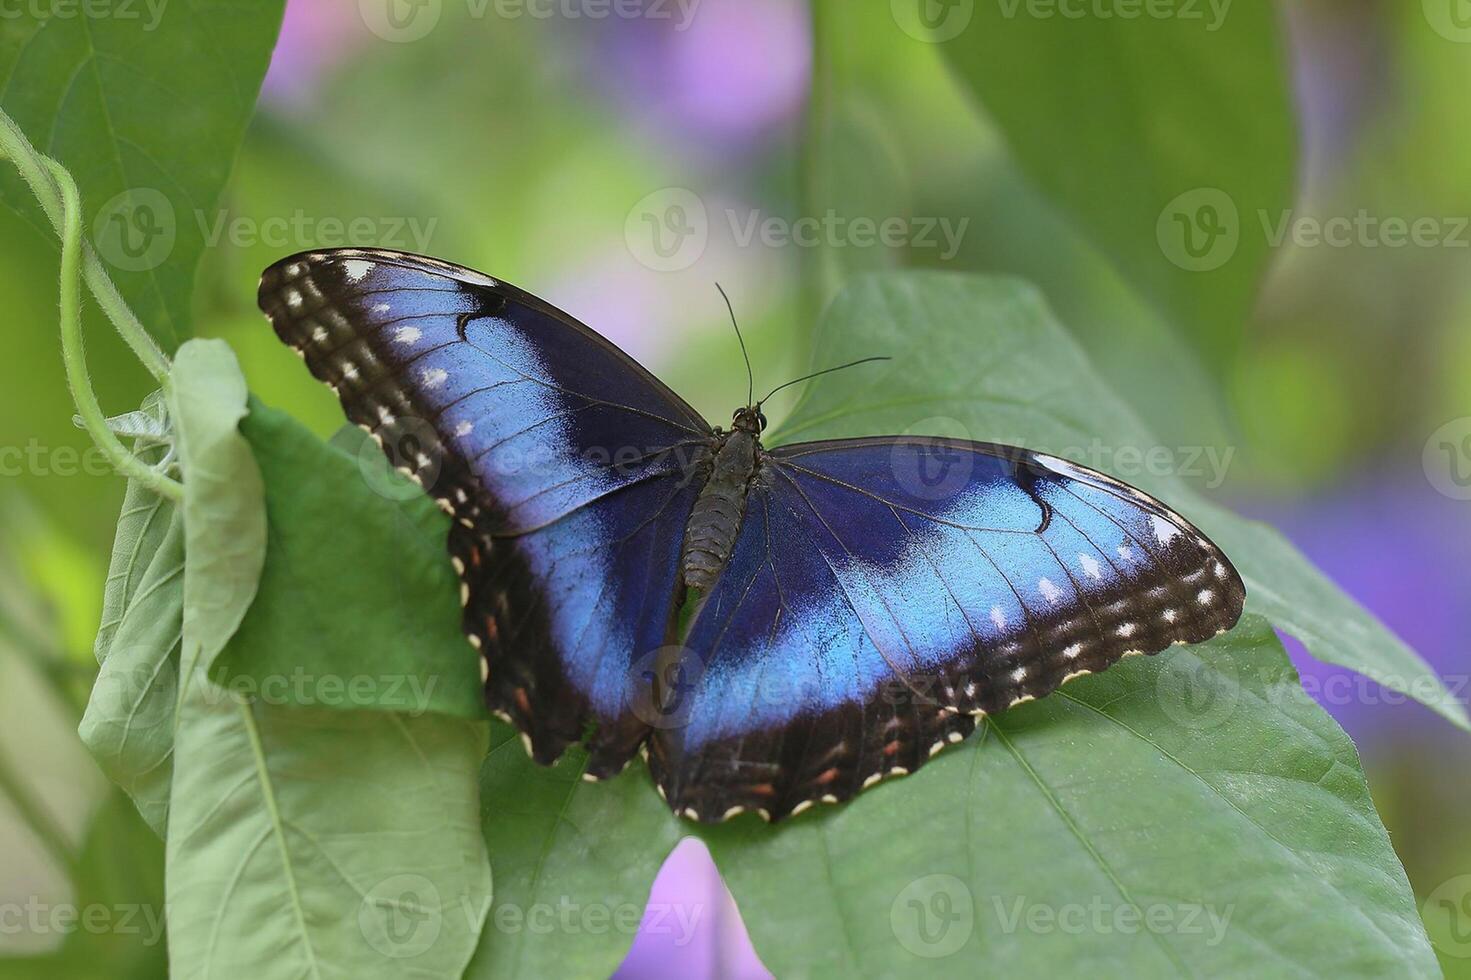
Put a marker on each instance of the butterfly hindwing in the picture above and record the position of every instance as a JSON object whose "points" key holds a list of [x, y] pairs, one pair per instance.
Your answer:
{"points": [[566, 466], [885, 591]]}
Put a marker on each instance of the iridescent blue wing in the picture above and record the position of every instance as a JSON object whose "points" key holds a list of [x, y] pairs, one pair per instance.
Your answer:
{"points": [[885, 592], [565, 465]]}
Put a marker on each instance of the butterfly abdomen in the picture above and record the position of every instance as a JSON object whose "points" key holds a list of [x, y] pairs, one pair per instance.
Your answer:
{"points": [[716, 519]]}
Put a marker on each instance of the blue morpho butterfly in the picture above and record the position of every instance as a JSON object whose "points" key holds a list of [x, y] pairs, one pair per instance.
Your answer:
{"points": [[858, 603]]}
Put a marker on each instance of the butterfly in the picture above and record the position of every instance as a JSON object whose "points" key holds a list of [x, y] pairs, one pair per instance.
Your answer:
{"points": [[770, 627]]}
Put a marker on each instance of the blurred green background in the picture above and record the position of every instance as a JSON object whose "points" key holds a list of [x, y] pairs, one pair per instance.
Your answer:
{"points": [[535, 148]]}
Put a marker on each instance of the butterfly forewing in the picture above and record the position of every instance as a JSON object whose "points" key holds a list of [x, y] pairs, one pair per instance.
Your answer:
{"points": [[566, 466]]}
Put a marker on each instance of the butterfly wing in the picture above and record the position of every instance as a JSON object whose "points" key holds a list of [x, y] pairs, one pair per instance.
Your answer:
{"points": [[566, 466], [884, 592]]}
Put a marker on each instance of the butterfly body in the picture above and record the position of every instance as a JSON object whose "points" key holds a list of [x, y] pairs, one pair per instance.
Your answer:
{"points": [[861, 601], [721, 506]]}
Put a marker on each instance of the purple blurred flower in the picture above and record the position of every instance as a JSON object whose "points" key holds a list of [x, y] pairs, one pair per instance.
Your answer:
{"points": [[736, 71], [691, 928], [1402, 550], [314, 37]]}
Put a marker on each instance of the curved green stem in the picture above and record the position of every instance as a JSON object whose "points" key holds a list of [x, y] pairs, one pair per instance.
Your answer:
{"points": [[36, 169], [73, 352]]}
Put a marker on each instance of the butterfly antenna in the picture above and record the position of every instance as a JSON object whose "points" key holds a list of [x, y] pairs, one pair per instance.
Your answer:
{"points": [[750, 378], [814, 374]]}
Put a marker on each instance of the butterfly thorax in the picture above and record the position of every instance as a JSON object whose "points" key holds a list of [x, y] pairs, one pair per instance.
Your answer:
{"points": [[715, 521]]}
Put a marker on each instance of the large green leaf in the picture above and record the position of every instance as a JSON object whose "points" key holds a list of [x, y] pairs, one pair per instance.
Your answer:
{"points": [[1145, 127], [356, 570], [1194, 812], [146, 104], [983, 358], [321, 843]]}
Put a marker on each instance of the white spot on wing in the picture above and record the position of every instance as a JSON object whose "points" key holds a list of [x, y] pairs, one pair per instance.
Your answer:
{"points": [[998, 617], [464, 428], [1049, 591], [407, 335], [1090, 566], [356, 269], [1164, 531], [434, 377]]}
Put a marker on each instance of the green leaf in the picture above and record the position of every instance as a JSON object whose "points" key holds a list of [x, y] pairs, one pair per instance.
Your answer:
{"points": [[320, 843], [983, 358], [146, 104], [356, 562], [1137, 127], [224, 499], [129, 722], [566, 850]]}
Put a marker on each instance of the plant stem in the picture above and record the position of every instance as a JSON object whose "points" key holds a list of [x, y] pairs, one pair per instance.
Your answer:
{"points": [[73, 352], [36, 169]]}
